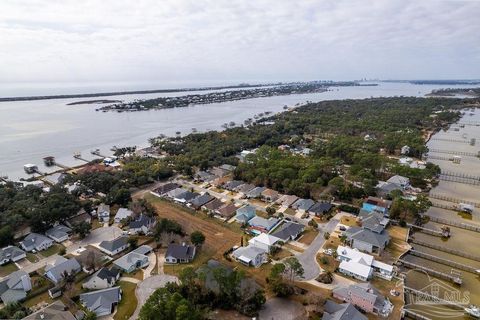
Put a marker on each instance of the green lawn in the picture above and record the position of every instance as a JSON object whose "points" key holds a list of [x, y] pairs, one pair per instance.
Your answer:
{"points": [[32, 257], [128, 304], [8, 268], [201, 258], [52, 250], [44, 297]]}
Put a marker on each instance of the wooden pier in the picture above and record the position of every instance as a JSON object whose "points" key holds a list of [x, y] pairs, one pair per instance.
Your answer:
{"points": [[460, 225], [450, 140], [469, 123], [432, 157], [432, 232], [444, 249], [452, 199], [441, 275], [413, 315], [97, 153], [459, 180], [446, 262], [78, 155], [457, 153]]}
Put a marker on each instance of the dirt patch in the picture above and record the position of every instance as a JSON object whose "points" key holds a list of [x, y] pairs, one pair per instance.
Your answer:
{"points": [[308, 236]]}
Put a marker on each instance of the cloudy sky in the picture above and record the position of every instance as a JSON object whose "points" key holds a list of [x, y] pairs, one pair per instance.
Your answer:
{"points": [[229, 40]]}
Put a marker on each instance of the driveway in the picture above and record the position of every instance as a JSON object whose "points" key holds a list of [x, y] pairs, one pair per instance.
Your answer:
{"points": [[95, 237], [29, 268], [282, 309], [308, 258], [147, 287]]}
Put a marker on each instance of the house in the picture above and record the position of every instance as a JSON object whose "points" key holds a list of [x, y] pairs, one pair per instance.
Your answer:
{"points": [[289, 231], [163, 189], [201, 200], [219, 172], [320, 208], [287, 201], [377, 204], [103, 212], [56, 271], [122, 214], [15, 286], [143, 224], [11, 254], [259, 224], [250, 255], [244, 214], [384, 188], [264, 241], [112, 247], [402, 182], [82, 216], [366, 240], [133, 260], [102, 279], [204, 176], [185, 197], [255, 193], [361, 265], [37, 242], [59, 233], [226, 211], [213, 205], [56, 178], [374, 221], [270, 195], [405, 150], [243, 189], [172, 194], [365, 297], [102, 302], [303, 204], [228, 167], [179, 253], [344, 311], [232, 185], [54, 311]]}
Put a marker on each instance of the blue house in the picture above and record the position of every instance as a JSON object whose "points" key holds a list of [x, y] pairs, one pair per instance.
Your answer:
{"points": [[244, 214]]}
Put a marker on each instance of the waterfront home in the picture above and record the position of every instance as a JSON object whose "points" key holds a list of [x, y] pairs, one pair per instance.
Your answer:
{"points": [[11, 254], [289, 231], [36, 241], [320, 208], [303, 205], [250, 255], [132, 261], [226, 211], [244, 214], [360, 265], [374, 221], [264, 241], [103, 212], [270, 195], [259, 224], [365, 297], [55, 311], [59, 233], [56, 178], [402, 182], [61, 266], [143, 224], [376, 204], [123, 214], [344, 311], [165, 188], [179, 253], [233, 184], [255, 193], [15, 286], [200, 200], [82, 216], [102, 279], [367, 240], [101, 302], [213, 205], [115, 246], [385, 188], [287, 201]]}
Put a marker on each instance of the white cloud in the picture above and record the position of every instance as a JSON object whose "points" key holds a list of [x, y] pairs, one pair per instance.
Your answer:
{"points": [[182, 40]]}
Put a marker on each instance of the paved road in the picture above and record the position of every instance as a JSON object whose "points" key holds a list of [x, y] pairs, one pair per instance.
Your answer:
{"points": [[282, 309], [147, 287], [308, 257], [95, 237]]}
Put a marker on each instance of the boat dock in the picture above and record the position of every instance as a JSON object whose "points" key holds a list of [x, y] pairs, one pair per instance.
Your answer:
{"points": [[452, 199], [432, 232], [413, 315], [426, 297], [454, 278], [457, 153], [447, 250], [446, 262], [460, 225]]}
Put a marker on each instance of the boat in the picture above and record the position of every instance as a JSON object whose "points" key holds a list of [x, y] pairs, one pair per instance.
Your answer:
{"points": [[473, 311]]}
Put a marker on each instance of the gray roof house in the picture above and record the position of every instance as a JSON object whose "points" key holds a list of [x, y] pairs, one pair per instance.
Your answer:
{"points": [[263, 225], [303, 204], [54, 311], [15, 286], [287, 200], [102, 302], [102, 279], [122, 213], [185, 196], [36, 241], [143, 224], [385, 188], [11, 253], [374, 221], [227, 167], [112, 247], [250, 255], [320, 208], [201, 200], [367, 240], [103, 212], [231, 185], [204, 176], [179, 253], [244, 214], [244, 188], [59, 233], [213, 205], [133, 260], [400, 181], [56, 271], [344, 311], [172, 194], [289, 231], [82, 216], [167, 187], [255, 192]]}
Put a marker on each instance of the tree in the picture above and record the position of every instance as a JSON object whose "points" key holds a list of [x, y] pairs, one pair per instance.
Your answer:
{"points": [[89, 315], [326, 235], [197, 238], [276, 283], [133, 242], [6, 236], [313, 223], [293, 268], [120, 196], [82, 229], [165, 304], [271, 211]]}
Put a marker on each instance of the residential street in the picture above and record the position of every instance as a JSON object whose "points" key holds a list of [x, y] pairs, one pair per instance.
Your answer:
{"points": [[95, 237], [308, 257]]}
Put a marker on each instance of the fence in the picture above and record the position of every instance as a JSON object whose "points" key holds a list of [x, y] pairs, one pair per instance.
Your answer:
{"points": [[458, 153], [446, 262], [447, 250]]}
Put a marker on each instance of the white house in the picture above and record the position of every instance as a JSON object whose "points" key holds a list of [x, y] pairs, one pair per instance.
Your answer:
{"points": [[264, 241], [360, 265], [35, 241], [103, 212], [102, 279], [122, 213], [250, 255]]}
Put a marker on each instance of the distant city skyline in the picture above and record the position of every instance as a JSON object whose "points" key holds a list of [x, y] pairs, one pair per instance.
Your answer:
{"points": [[217, 41]]}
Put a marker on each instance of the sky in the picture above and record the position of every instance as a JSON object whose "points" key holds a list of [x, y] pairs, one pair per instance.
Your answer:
{"points": [[188, 41]]}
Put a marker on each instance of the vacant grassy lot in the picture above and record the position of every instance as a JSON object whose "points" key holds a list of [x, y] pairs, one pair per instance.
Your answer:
{"points": [[308, 235], [128, 304], [8, 268]]}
